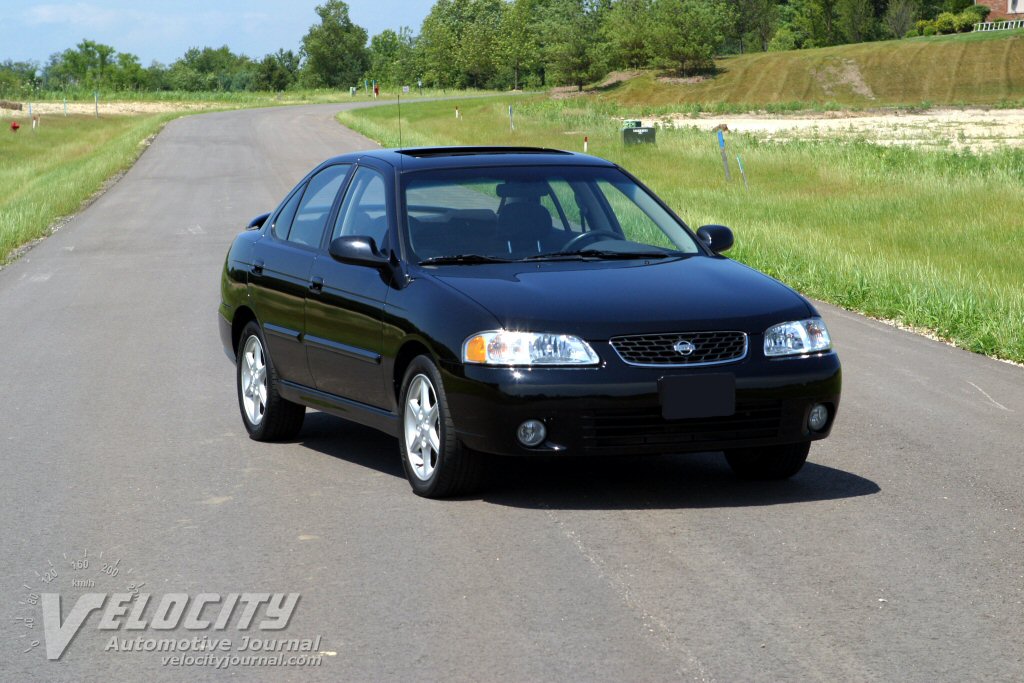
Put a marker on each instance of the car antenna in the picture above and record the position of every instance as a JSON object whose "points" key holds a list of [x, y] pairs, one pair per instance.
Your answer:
{"points": [[399, 120]]}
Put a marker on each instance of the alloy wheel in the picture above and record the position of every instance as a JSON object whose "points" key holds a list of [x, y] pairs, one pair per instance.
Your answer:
{"points": [[422, 427], [254, 380]]}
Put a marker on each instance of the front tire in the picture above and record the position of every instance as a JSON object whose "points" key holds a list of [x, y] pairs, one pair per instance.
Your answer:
{"points": [[772, 462], [266, 415], [435, 463]]}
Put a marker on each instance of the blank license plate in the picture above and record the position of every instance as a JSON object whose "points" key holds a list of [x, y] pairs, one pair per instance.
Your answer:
{"points": [[697, 396]]}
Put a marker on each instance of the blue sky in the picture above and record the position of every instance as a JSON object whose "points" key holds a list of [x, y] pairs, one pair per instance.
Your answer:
{"points": [[164, 30]]}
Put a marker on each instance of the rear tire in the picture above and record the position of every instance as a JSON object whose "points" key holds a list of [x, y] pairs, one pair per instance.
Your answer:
{"points": [[435, 463], [772, 462], [266, 415]]}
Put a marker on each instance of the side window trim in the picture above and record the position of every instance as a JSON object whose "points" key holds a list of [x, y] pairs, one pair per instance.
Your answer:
{"points": [[389, 202]]}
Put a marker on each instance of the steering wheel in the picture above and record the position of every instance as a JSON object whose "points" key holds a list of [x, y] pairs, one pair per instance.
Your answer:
{"points": [[593, 236]]}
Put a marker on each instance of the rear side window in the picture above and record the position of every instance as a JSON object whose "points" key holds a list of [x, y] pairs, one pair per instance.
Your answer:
{"points": [[283, 220], [311, 217]]}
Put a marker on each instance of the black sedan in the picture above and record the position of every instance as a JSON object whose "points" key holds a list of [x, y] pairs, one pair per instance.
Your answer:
{"points": [[517, 301]]}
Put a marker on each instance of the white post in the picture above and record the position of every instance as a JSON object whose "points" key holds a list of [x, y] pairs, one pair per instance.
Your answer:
{"points": [[586, 143]]}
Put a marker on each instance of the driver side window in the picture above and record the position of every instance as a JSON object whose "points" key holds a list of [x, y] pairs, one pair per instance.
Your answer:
{"points": [[364, 211]]}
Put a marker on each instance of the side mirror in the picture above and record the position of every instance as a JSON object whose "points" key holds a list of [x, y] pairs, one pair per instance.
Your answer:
{"points": [[717, 237], [357, 249], [257, 223]]}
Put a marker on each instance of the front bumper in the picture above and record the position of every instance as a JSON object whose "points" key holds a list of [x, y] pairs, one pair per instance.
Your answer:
{"points": [[614, 409]]}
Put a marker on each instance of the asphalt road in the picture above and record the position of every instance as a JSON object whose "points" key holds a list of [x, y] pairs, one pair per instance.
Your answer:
{"points": [[897, 554]]}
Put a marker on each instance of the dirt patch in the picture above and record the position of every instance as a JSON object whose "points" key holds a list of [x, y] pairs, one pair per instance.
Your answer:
{"points": [[114, 108], [966, 129], [565, 92], [843, 74], [616, 77], [681, 80]]}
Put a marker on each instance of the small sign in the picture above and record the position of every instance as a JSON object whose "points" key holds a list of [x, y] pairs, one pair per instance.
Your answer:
{"points": [[405, 88], [721, 140]]}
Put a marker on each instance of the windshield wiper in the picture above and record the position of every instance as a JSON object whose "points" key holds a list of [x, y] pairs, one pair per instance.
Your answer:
{"points": [[462, 259], [602, 254]]}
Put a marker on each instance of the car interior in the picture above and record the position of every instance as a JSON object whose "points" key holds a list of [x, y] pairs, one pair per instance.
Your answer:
{"points": [[520, 225]]}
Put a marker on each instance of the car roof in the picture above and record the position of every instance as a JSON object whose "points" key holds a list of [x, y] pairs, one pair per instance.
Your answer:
{"points": [[424, 158]]}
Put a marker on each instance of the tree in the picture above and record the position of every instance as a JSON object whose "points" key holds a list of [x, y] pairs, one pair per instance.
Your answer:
{"points": [[393, 57], [276, 72], [211, 69], [687, 34], [626, 29], [572, 51], [899, 17], [856, 20], [127, 73], [439, 41], [476, 57], [518, 39], [765, 21], [335, 49]]}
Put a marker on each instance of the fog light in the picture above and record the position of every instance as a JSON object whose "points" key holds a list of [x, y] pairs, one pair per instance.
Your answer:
{"points": [[818, 417], [531, 433]]}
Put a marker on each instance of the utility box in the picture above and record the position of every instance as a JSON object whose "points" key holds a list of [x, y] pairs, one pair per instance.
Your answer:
{"points": [[640, 135]]}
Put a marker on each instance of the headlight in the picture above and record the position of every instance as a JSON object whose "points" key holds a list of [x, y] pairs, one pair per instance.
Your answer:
{"points": [[502, 347], [797, 338]]}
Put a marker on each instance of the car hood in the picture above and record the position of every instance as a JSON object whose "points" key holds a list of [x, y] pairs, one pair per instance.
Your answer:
{"points": [[601, 299]]}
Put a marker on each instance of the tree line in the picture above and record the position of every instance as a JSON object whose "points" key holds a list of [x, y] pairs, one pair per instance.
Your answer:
{"points": [[502, 44]]}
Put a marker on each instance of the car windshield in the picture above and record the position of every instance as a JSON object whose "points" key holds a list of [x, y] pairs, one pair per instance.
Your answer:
{"points": [[482, 215]]}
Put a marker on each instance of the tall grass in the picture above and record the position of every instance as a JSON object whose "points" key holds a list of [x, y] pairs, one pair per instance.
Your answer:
{"points": [[49, 172], [934, 239]]}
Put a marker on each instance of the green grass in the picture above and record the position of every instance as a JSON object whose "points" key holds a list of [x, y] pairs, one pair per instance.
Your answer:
{"points": [[934, 239], [972, 68], [50, 172]]}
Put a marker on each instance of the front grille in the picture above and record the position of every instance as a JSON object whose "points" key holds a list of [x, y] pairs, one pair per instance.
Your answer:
{"points": [[644, 430], [660, 349]]}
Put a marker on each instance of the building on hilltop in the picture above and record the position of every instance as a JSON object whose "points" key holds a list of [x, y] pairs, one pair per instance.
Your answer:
{"points": [[1003, 9]]}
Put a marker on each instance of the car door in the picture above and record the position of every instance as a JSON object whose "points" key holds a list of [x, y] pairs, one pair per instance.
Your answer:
{"points": [[344, 312], [281, 265]]}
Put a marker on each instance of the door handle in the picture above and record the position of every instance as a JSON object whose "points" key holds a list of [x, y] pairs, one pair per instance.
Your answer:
{"points": [[257, 266], [316, 285]]}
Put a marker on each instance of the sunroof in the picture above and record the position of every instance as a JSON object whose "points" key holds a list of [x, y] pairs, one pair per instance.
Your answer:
{"points": [[469, 151]]}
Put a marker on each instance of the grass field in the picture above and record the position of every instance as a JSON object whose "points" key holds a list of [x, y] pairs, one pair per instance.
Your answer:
{"points": [[48, 173], [933, 239], [972, 68]]}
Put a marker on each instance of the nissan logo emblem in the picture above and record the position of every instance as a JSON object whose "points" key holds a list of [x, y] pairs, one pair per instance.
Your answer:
{"points": [[684, 347]]}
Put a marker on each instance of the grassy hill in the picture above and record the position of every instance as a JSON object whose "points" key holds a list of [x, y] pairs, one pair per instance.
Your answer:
{"points": [[972, 68]]}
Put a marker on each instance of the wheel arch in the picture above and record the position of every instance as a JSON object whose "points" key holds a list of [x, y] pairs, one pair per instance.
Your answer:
{"points": [[409, 349], [243, 316]]}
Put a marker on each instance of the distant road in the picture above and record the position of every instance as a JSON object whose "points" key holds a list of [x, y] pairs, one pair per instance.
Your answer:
{"points": [[897, 555]]}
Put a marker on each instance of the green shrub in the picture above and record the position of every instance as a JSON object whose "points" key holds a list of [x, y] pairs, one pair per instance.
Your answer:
{"points": [[912, 33], [784, 39], [921, 24], [929, 30], [945, 23], [981, 10], [965, 22]]}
